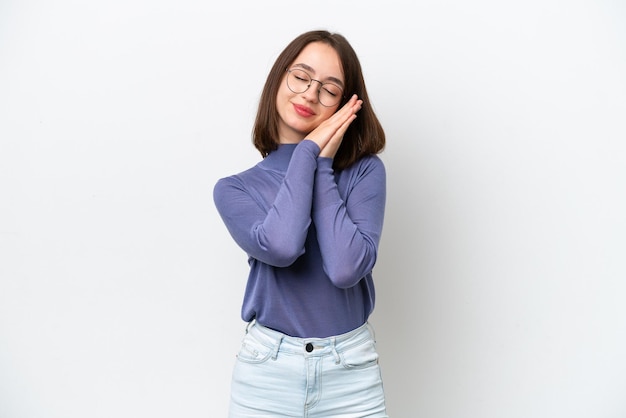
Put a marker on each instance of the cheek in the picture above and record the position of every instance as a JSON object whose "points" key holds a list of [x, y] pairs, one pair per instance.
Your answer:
{"points": [[327, 112], [283, 90], [282, 102]]}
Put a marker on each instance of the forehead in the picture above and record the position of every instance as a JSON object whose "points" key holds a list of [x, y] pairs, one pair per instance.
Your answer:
{"points": [[321, 59]]}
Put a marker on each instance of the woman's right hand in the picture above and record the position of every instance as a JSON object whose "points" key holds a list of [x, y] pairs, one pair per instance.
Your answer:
{"points": [[329, 134]]}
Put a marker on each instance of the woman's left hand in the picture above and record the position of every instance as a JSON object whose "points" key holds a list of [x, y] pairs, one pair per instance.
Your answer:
{"points": [[334, 127]]}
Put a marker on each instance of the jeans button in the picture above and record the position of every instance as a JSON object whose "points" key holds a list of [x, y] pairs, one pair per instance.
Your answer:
{"points": [[309, 347]]}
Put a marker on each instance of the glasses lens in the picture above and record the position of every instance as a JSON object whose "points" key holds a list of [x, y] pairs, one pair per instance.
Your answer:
{"points": [[330, 94], [298, 81]]}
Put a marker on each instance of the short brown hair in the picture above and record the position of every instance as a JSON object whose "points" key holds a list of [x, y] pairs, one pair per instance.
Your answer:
{"points": [[364, 136]]}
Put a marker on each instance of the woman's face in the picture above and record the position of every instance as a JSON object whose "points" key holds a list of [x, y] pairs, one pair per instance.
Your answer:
{"points": [[300, 113]]}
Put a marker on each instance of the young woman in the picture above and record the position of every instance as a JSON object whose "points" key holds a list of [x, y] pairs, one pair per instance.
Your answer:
{"points": [[309, 216]]}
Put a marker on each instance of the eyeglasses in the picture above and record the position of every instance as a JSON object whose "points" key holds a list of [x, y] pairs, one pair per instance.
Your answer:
{"points": [[329, 94]]}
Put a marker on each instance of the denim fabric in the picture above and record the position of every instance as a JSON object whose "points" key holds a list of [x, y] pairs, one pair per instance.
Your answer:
{"points": [[280, 376]]}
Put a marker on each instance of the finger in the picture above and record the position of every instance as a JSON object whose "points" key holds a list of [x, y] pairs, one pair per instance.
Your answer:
{"points": [[348, 106], [338, 122], [331, 147], [349, 109], [344, 127], [352, 105], [341, 130]]}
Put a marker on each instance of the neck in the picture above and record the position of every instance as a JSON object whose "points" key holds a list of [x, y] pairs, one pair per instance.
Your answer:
{"points": [[290, 136]]}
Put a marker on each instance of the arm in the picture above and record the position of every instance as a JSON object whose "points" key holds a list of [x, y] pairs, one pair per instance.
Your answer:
{"points": [[273, 232], [349, 231]]}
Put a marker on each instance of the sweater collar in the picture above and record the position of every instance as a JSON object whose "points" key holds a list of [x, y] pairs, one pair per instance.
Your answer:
{"points": [[278, 159]]}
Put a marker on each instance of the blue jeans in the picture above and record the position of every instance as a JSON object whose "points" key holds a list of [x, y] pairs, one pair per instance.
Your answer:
{"points": [[280, 376]]}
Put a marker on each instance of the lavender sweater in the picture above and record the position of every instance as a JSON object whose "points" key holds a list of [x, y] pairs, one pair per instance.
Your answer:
{"points": [[311, 236]]}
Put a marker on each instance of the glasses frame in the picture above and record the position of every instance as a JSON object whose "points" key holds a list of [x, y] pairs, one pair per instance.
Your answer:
{"points": [[311, 80]]}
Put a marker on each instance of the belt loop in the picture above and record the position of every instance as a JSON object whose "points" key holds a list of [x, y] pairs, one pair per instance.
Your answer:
{"points": [[334, 350], [276, 347], [250, 325], [372, 332]]}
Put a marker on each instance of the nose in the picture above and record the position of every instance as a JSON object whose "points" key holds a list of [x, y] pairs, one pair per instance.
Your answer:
{"points": [[312, 93]]}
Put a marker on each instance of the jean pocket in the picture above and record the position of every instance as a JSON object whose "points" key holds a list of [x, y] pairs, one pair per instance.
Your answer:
{"points": [[253, 351], [359, 356]]}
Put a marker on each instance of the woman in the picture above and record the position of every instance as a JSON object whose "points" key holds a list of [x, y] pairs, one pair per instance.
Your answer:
{"points": [[310, 217]]}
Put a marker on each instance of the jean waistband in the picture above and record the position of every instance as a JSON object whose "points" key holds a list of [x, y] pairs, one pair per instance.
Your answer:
{"points": [[310, 346]]}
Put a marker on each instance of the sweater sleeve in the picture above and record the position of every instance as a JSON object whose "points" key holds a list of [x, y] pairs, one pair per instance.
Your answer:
{"points": [[349, 230], [274, 236]]}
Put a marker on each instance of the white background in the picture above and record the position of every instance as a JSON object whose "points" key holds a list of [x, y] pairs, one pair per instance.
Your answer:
{"points": [[502, 271]]}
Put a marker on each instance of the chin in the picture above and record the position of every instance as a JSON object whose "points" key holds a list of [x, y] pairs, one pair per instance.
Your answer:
{"points": [[301, 130]]}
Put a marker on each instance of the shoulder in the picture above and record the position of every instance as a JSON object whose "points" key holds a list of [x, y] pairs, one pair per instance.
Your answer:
{"points": [[367, 172], [367, 165], [238, 180]]}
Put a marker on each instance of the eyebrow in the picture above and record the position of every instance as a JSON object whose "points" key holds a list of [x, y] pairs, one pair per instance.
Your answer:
{"points": [[308, 68]]}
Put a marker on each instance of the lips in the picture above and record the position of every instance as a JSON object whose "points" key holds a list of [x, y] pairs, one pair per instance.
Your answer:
{"points": [[303, 111]]}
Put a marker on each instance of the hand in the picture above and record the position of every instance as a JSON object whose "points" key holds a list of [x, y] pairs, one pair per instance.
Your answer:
{"points": [[329, 134]]}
